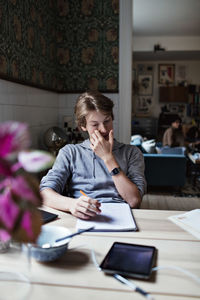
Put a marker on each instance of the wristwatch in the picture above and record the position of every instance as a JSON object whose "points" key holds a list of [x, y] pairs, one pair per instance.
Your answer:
{"points": [[115, 171]]}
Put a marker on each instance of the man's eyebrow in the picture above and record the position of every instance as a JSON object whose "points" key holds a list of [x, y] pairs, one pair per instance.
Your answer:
{"points": [[93, 121]]}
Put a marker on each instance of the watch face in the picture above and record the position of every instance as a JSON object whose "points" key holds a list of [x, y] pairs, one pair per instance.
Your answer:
{"points": [[115, 171]]}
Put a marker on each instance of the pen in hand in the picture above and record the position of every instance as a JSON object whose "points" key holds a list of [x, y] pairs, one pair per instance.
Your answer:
{"points": [[93, 205], [84, 194]]}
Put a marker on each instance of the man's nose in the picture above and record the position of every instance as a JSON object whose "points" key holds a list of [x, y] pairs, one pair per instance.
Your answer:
{"points": [[102, 128]]}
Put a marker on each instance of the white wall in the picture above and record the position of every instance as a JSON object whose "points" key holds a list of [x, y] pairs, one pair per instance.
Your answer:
{"points": [[38, 108], [125, 70], [41, 109]]}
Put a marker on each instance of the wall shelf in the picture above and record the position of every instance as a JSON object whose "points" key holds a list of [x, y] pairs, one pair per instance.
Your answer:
{"points": [[165, 55], [173, 94]]}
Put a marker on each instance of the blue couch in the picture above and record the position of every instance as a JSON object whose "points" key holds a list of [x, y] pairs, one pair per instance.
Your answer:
{"points": [[165, 169]]}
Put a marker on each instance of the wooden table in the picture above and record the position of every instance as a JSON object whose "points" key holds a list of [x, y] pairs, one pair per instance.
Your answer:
{"points": [[74, 276]]}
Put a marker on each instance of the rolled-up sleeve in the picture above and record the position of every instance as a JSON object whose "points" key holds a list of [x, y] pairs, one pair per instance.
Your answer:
{"points": [[136, 169], [57, 177]]}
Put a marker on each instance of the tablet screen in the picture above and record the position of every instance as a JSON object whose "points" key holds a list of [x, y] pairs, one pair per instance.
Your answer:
{"points": [[47, 216], [129, 259]]}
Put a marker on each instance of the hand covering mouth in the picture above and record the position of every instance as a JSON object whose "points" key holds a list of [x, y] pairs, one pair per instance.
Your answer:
{"points": [[106, 137]]}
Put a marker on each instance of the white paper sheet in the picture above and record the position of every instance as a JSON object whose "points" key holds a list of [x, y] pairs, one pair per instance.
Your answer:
{"points": [[113, 217], [189, 221]]}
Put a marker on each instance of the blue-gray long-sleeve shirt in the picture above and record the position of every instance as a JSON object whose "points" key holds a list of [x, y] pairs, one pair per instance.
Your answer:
{"points": [[78, 167]]}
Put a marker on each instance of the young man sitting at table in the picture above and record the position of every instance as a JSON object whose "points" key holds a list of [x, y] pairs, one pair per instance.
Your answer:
{"points": [[106, 170]]}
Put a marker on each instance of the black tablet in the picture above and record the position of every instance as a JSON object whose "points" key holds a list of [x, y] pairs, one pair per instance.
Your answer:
{"points": [[47, 216], [130, 260]]}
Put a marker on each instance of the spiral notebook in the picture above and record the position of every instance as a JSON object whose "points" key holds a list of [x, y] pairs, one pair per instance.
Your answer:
{"points": [[113, 217]]}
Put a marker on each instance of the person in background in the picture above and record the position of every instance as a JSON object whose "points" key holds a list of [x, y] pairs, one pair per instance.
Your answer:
{"points": [[173, 136], [193, 138], [105, 169]]}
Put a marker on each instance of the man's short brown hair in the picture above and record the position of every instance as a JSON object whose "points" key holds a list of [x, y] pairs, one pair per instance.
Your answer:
{"points": [[90, 101]]}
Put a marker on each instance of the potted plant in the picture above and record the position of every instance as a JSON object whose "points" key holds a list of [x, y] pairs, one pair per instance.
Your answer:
{"points": [[20, 220]]}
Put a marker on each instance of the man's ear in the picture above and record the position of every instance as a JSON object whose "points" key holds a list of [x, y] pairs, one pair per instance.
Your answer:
{"points": [[83, 128]]}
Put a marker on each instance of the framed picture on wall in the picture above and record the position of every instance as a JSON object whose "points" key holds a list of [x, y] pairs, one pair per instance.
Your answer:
{"points": [[145, 84], [166, 73], [143, 105]]}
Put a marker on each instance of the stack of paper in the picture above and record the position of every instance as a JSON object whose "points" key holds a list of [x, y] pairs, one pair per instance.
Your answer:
{"points": [[189, 221], [113, 217]]}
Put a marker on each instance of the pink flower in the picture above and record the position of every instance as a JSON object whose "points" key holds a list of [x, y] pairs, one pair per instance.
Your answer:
{"points": [[19, 191], [4, 235], [35, 161], [9, 210], [6, 144], [19, 187], [14, 136], [5, 168]]}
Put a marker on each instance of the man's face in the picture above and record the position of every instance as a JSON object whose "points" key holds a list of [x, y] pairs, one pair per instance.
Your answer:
{"points": [[96, 120], [176, 124]]}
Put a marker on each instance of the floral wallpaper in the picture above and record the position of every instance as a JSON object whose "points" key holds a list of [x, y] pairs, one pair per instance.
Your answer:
{"points": [[60, 45]]}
